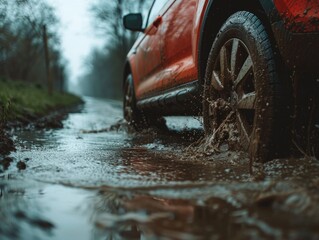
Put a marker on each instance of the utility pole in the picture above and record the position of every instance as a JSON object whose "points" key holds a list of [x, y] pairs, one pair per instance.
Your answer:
{"points": [[47, 60]]}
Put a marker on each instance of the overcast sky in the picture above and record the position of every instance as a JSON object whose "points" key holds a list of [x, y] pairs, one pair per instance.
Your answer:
{"points": [[77, 33]]}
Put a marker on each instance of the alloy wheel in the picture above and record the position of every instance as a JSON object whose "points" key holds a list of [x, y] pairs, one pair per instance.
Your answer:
{"points": [[233, 78]]}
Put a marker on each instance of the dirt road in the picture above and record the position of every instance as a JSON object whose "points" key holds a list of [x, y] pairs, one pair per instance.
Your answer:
{"points": [[93, 181]]}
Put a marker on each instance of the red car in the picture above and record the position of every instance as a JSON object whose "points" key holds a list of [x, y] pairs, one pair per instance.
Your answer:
{"points": [[260, 58]]}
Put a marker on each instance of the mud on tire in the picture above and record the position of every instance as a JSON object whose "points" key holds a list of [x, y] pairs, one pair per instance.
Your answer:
{"points": [[241, 70], [132, 115], [135, 117]]}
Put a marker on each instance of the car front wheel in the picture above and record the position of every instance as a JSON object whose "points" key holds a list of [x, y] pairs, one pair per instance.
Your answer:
{"points": [[241, 71]]}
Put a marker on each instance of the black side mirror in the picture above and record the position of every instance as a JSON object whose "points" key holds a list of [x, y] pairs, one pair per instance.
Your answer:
{"points": [[133, 22]]}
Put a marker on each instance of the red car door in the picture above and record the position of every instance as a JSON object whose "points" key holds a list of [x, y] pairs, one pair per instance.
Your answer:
{"points": [[177, 33], [148, 55]]}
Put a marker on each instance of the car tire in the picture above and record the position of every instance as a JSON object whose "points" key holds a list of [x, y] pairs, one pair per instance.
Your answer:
{"points": [[135, 117], [241, 70], [132, 115]]}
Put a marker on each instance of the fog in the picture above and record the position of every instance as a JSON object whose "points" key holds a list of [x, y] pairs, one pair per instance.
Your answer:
{"points": [[95, 44]]}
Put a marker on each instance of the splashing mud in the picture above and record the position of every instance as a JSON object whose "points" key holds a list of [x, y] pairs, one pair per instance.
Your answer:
{"points": [[109, 182], [224, 136]]}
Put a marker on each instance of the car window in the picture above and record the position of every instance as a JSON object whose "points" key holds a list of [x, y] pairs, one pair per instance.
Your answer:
{"points": [[156, 8]]}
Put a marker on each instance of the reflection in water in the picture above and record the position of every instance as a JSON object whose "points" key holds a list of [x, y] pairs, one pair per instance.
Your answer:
{"points": [[147, 186], [125, 215], [40, 211], [20, 213]]}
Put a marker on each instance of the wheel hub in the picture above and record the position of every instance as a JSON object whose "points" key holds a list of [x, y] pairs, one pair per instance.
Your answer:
{"points": [[233, 78]]}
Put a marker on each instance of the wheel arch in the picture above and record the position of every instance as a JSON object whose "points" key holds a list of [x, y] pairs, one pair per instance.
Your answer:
{"points": [[217, 12]]}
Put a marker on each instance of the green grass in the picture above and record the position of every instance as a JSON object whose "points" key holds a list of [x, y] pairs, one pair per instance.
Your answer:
{"points": [[19, 100]]}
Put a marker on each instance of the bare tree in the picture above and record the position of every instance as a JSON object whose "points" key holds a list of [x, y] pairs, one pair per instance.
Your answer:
{"points": [[108, 16], [105, 72], [21, 44]]}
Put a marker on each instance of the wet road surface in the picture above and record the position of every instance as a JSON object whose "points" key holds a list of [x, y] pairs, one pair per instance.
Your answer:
{"points": [[93, 181]]}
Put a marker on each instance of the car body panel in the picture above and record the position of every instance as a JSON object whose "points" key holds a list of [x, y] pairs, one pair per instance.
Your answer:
{"points": [[148, 60], [166, 56], [299, 15], [149, 56], [169, 55], [297, 35], [176, 33]]}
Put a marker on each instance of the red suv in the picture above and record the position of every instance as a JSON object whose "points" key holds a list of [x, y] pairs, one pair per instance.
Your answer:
{"points": [[258, 58]]}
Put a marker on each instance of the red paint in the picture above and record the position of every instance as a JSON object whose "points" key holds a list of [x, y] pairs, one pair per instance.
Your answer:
{"points": [[167, 52], [299, 15]]}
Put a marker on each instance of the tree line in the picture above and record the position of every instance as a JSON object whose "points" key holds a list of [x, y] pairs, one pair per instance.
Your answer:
{"points": [[22, 53], [104, 74]]}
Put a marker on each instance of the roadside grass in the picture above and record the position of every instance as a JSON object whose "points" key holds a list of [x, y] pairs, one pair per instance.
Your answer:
{"points": [[20, 101]]}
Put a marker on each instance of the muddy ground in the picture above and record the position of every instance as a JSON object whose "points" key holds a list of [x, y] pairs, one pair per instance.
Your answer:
{"points": [[96, 179]]}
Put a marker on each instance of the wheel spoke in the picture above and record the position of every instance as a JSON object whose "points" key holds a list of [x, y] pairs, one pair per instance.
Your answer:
{"points": [[234, 57], [247, 102], [243, 126], [223, 62], [245, 69], [216, 81], [233, 78]]}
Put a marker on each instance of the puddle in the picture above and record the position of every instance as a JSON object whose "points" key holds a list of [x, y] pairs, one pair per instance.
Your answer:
{"points": [[221, 211], [90, 180]]}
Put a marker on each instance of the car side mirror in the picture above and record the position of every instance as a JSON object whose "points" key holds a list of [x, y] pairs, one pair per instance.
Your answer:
{"points": [[133, 22]]}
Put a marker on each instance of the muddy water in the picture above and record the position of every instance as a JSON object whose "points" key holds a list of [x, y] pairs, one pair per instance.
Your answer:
{"points": [[91, 181]]}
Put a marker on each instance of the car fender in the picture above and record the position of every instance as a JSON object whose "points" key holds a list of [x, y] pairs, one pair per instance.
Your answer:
{"points": [[214, 7]]}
